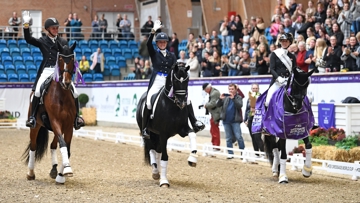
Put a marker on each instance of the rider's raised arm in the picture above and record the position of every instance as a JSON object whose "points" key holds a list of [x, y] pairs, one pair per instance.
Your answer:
{"points": [[30, 39], [273, 65], [149, 44]]}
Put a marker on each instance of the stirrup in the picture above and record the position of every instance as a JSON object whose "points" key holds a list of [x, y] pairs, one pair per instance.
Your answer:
{"points": [[145, 135], [31, 123], [78, 124]]}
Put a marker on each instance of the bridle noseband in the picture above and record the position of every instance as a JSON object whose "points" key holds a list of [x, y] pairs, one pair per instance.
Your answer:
{"points": [[176, 92], [291, 97]]}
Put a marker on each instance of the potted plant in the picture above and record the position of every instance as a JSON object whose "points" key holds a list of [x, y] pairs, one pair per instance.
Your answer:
{"points": [[83, 100]]}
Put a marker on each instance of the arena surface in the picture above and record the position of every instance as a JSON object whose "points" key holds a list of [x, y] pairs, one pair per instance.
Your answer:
{"points": [[109, 172]]}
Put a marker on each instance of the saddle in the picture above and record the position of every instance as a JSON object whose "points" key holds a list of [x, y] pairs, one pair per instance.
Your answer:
{"points": [[154, 99]]}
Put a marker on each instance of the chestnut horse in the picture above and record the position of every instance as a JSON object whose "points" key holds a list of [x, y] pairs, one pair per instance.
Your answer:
{"points": [[56, 113]]}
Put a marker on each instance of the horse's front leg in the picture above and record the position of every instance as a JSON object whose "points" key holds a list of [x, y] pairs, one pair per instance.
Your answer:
{"points": [[192, 160], [54, 161], [283, 157], [65, 168], [307, 168], [155, 163], [163, 164]]}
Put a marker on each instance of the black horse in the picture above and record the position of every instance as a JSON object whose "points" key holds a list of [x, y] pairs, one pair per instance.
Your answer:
{"points": [[297, 106], [169, 117]]}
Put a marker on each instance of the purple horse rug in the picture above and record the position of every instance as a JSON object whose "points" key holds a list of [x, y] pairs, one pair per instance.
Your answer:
{"points": [[276, 121]]}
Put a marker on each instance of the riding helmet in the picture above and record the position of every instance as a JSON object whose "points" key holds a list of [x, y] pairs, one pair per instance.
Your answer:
{"points": [[287, 36], [51, 22], [162, 36]]}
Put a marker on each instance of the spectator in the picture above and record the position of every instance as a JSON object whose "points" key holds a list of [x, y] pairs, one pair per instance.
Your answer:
{"points": [[337, 11], [194, 65], [358, 58], [231, 104], [274, 28], [149, 24], [320, 14], [262, 60], [355, 10], [125, 25], [95, 28], [288, 27], [350, 55], [136, 66], [118, 20], [191, 42], [215, 63], [272, 48], [263, 40], [207, 49], [292, 6], [147, 70], [174, 45], [317, 28], [215, 46], [231, 25], [311, 9], [310, 35], [345, 20], [237, 29], [224, 33], [207, 38], [338, 34], [84, 65], [330, 14], [257, 142], [75, 27], [300, 38], [215, 36], [297, 25], [214, 111], [309, 57], [233, 62], [245, 39], [319, 55], [103, 25], [139, 69], [67, 25], [206, 67], [143, 51], [322, 35], [200, 42], [301, 56], [97, 61], [293, 48], [258, 29], [198, 52], [182, 58], [299, 12], [308, 23], [246, 24], [253, 46], [224, 71], [328, 28], [279, 5], [245, 64], [332, 56], [14, 22]]}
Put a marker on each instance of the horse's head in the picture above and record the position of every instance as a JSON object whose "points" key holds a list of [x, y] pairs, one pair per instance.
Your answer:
{"points": [[180, 80], [299, 87], [66, 64]]}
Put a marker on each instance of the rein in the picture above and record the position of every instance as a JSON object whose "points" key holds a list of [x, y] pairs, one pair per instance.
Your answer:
{"points": [[288, 91], [176, 92]]}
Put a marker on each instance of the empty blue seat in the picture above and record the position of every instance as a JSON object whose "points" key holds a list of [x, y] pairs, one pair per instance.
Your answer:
{"points": [[38, 58], [6, 60], [93, 44], [87, 77], [113, 44], [110, 61], [135, 53], [9, 68], [98, 77], [20, 69], [107, 52], [133, 45], [83, 43], [130, 76], [14, 50], [86, 52], [32, 77], [116, 52], [106, 70], [21, 41], [123, 44], [13, 77], [28, 58], [2, 69], [3, 43], [121, 61], [103, 44], [3, 77], [23, 77], [127, 53], [12, 43], [25, 52], [17, 58], [115, 70]]}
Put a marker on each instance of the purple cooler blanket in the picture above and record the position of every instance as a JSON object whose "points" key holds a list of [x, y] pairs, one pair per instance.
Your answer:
{"points": [[276, 121]]}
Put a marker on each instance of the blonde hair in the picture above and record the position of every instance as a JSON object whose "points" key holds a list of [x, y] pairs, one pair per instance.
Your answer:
{"points": [[258, 52], [318, 52]]}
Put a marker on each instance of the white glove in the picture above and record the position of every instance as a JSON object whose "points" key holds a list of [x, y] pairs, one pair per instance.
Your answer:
{"points": [[26, 18], [157, 25], [280, 80]]}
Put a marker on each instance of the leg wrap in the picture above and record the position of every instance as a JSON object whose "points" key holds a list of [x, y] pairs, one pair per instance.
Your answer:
{"points": [[31, 164], [282, 166], [64, 155], [192, 138], [53, 157], [152, 157]]}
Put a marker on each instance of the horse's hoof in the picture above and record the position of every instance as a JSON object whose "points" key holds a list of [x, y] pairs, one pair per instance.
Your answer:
{"points": [[307, 171], [283, 179], [29, 177], [192, 164], [53, 173], [67, 172], [275, 174], [156, 176], [60, 179], [164, 183]]}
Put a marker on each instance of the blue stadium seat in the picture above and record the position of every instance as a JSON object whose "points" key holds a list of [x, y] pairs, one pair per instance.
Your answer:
{"points": [[106, 70], [14, 50], [106, 52], [78, 51], [35, 50], [103, 44], [22, 41], [38, 58], [17, 59], [20, 69], [10, 68], [113, 44], [133, 45], [31, 69], [28, 58], [135, 53], [93, 44], [23, 77], [87, 77], [83, 44], [123, 44], [32, 77], [5, 52], [98, 77], [115, 70], [130, 76], [2, 69], [127, 53], [12, 77], [121, 61], [3, 43], [110, 61], [3, 77], [25, 52], [12, 43], [116, 52], [78, 58], [6, 60], [87, 52]]}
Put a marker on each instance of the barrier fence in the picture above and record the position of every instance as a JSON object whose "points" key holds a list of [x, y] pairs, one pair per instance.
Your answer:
{"points": [[296, 160]]}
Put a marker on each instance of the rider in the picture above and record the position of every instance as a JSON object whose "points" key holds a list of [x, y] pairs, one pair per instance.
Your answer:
{"points": [[162, 62], [282, 64], [49, 50]]}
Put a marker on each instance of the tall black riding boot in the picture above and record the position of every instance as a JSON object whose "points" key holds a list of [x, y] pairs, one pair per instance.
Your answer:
{"points": [[197, 125], [31, 122], [79, 121], [145, 121]]}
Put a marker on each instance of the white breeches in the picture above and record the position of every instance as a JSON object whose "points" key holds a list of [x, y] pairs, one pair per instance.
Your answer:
{"points": [[159, 82], [44, 75], [272, 90]]}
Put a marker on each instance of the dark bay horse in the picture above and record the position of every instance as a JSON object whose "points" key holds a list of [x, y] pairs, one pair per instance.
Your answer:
{"points": [[56, 113], [289, 116], [170, 117]]}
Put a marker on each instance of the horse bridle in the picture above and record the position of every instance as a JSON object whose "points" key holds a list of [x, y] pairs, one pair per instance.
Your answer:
{"points": [[65, 66], [291, 98], [176, 92]]}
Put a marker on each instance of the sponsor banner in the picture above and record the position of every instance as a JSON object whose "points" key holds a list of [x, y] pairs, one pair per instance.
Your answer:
{"points": [[326, 113], [343, 168]]}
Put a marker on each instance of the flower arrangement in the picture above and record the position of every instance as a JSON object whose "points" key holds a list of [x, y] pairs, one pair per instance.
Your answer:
{"points": [[298, 150], [336, 134], [5, 115]]}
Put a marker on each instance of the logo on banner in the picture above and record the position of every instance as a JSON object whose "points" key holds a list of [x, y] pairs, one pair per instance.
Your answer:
{"points": [[326, 117]]}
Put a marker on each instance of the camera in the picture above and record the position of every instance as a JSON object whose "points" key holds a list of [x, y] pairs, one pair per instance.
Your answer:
{"points": [[226, 94]]}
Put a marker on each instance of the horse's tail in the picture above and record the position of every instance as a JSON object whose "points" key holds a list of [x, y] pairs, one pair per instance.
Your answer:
{"points": [[147, 144], [41, 145], [269, 144]]}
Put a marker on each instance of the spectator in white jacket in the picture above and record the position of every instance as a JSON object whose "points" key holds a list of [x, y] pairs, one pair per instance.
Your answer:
{"points": [[194, 65]]}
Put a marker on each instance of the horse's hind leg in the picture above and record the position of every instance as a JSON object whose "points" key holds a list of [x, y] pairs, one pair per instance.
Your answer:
{"points": [[192, 160], [54, 161], [154, 164], [163, 164], [32, 152], [282, 176], [307, 168]]}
